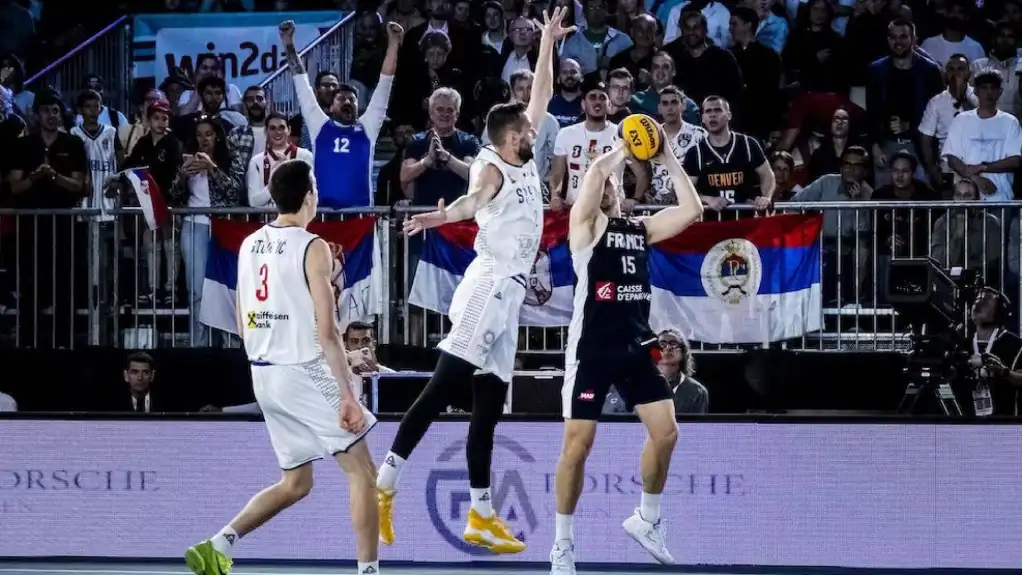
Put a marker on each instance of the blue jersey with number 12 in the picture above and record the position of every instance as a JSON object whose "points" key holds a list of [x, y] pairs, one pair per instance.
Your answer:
{"points": [[343, 153]]}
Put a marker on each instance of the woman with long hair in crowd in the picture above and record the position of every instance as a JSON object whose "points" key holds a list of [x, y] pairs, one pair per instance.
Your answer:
{"points": [[208, 178]]}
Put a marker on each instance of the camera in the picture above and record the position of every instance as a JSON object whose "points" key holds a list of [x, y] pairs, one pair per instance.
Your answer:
{"points": [[935, 302]]}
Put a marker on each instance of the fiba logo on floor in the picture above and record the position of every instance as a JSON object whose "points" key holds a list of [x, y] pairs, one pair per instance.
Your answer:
{"points": [[448, 498]]}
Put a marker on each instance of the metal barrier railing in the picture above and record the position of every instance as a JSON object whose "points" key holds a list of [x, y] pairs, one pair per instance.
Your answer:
{"points": [[106, 54], [70, 278], [331, 51]]}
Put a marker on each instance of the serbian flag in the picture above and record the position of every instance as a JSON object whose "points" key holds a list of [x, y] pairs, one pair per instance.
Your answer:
{"points": [[150, 197], [743, 281], [361, 296], [447, 251]]}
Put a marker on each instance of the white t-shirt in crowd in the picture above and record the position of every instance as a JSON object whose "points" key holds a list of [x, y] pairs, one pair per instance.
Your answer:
{"points": [[259, 137], [198, 185], [940, 111], [718, 23], [580, 147], [662, 186], [942, 50], [975, 140], [258, 192]]}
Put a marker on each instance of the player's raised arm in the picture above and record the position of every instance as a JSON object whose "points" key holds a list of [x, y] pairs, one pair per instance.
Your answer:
{"points": [[590, 195], [543, 82], [671, 221], [484, 182], [319, 267]]}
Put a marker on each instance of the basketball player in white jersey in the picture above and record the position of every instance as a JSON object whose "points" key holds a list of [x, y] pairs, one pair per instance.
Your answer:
{"points": [[102, 150], [609, 342], [505, 198], [300, 374]]}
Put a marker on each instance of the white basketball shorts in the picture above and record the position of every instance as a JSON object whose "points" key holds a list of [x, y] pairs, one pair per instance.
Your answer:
{"points": [[300, 404], [484, 323]]}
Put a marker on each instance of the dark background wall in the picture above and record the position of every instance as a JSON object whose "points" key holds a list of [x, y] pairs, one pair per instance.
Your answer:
{"points": [[189, 378]]}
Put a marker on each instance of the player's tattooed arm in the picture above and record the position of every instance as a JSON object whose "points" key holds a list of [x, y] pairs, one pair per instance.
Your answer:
{"points": [[287, 36]]}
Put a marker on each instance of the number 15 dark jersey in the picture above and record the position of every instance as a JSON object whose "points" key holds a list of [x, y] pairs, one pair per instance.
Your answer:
{"points": [[610, 317]]}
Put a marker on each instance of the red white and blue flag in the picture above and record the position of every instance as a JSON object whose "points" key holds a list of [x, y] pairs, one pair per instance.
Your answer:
{"points": [[447, 251], [742, 281], [150, 197], [361, 295]]}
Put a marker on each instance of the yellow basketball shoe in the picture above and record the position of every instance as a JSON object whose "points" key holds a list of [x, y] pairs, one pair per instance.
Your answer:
{"points": [[386, 503], [203, 559], [491, 533]]}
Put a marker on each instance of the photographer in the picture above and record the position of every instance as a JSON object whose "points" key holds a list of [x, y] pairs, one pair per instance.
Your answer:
{"points": [[995, 357]]}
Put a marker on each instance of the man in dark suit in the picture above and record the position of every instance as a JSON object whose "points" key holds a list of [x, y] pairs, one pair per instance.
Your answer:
{"points": [[139, 373]]}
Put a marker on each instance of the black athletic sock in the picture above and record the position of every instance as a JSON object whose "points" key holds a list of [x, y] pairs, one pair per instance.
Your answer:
{"points": [[488, 395], [433, 399]]}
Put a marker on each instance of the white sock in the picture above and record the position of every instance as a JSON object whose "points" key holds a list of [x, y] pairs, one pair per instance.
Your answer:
{"points": [[650, 507], [390, 471], [481, 501], [370, 568], [224, 540], [564, 528]]}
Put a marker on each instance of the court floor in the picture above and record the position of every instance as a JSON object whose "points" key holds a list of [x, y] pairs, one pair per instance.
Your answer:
{"points": [[170, 569]]}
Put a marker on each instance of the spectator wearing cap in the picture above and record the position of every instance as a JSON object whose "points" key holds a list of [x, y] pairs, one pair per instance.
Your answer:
{"points": [[898, 89], [594, 46], [208, 66], [940, 111], [108, 116], [662, 75], [761, 73], [566, 104], [129, 135], [703, 69], [174, 86], [678, 366], [161, 153], [986, 141]]}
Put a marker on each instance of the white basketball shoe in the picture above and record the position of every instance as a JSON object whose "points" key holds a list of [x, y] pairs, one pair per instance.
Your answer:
{"points": [[652, 536], [562, 558]]}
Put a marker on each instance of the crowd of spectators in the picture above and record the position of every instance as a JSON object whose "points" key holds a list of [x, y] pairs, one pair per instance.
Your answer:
{"points": [[866, 100]]}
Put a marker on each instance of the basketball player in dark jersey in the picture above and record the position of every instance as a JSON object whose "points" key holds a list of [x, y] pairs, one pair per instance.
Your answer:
{"points": [[609, 342], [729, 165]]}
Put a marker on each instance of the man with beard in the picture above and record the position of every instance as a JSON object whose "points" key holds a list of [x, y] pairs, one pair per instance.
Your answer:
{"points": [[505, 199], [578, 145], [343, 143], [729, 165], [953, 39], [244, 140], [48, 173], [1004, 58], [610, 341], [704, 69], [566, 105], [327, 84], [211, 89]]}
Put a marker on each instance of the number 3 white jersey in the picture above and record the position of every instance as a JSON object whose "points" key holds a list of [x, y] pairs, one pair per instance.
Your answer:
{"points": [[278, 321], [511, 224], [580, 147]]}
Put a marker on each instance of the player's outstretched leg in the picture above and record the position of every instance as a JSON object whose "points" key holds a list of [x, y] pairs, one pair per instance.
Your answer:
{"points": [[213, 556], [644, 525], [485, 528], [416, 421], [579, 435], [358, 465]]}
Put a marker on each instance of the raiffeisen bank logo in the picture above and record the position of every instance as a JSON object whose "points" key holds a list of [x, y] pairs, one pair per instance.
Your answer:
{"points": [[448, 498]]}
